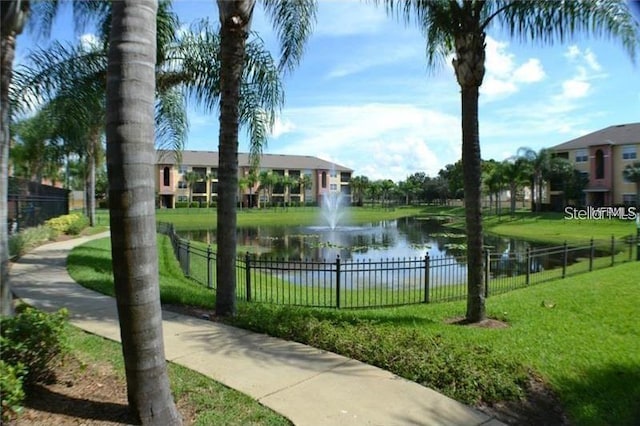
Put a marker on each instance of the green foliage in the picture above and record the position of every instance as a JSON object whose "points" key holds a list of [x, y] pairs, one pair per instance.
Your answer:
{"points": [[69, 224], [470, 373], [29, 238], [11, 390], [33, 339]]}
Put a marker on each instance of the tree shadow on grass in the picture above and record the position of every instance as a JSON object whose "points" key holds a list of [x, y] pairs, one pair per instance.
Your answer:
{"points": [[606, 395], [46, 400]]}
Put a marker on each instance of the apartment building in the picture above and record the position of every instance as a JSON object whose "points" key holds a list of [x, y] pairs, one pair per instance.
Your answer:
{"points": [[324, 177], [602, 156]]}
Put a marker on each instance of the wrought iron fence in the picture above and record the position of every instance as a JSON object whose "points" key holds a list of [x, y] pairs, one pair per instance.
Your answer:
{"points": [[31, 204], [342, 283]]}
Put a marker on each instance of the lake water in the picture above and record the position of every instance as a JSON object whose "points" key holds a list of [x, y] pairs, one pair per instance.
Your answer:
{"points": [[401, 238]]}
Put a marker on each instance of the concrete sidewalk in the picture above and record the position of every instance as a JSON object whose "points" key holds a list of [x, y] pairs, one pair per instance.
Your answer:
{"points": [[307, 385]]}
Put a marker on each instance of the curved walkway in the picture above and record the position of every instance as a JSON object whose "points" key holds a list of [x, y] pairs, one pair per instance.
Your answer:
{"points": [[307, 385]]}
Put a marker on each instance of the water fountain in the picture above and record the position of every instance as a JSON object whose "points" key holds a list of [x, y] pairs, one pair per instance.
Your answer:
{"points": [[332, 209]]}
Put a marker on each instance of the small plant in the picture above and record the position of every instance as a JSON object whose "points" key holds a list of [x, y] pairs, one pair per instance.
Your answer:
{"points": [[29, 238], [33, 339], [69, 224], [11, 390]]}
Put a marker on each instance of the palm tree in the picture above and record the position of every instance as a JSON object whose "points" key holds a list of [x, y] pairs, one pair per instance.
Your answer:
{"points": [[631, 172], [13, 15], [130, 163], [191, 178], [514, 171], [293, 21], [459, 27], [539, 165], [305, 183], [267, 181], [359, 185]]}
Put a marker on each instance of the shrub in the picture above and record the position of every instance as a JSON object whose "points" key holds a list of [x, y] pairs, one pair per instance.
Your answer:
{"points": [[70, 224], [181, 204], [29, 238], [33, 339], [11, 390]]}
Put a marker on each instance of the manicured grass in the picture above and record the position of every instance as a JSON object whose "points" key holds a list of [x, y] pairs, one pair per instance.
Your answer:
{"points": [[185, 219], [212, 402], [578, 334]]}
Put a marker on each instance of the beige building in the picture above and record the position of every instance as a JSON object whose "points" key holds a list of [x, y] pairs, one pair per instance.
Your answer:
{"points": [[602, 155], [324, 177]]}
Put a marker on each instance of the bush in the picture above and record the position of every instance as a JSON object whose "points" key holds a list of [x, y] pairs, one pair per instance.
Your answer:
{"points": [[29, 238], [181, 204], [11, 390], [35, 340], [70, 224]]}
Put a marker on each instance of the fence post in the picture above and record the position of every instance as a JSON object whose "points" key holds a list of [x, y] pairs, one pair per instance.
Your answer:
{"points": [[565, 259], [338, 281], [592, 252], [613, 250], [247, 261], [426, 278], [528, 279], [209, 280], [187, 266], [487, 270]]}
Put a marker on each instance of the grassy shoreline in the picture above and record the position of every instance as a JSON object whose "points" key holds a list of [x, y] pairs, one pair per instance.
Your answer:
{"points": [[579, 337]]}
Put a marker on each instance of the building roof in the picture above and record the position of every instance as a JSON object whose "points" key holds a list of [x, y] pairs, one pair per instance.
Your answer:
{"points": [[621, 134], [268, 161]]}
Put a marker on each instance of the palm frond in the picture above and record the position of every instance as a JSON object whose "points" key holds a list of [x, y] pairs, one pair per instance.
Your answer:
{"points": [[171, 119], [548, 21], [293, 21]]}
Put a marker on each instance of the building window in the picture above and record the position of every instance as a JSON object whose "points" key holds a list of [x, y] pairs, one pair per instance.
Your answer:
{"points": [[214, 173], [182, 184], [599, 164], [323, 180], [629, 199], [182, 199], [629, 152], [182, 169], [333, 187], [166, 176], [582, 156]]}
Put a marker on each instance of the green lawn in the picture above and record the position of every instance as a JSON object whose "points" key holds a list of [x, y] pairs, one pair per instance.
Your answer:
{"points": [[579, 334], [213, 403]]}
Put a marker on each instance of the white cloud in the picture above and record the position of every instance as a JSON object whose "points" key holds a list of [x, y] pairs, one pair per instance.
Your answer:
{"points": [[89, 41], [282, 126], [575, 88], [503, 74], [343, 18], [380, 141], [529, 72], [371, 56]]}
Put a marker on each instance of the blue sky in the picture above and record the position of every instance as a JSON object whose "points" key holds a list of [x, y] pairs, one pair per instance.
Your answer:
{"points": [[364, 98]]}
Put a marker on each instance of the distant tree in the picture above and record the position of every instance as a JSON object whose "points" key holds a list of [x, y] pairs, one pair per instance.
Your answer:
{"points": [[305, 182], [191, 178], [452, 173], [359, 186], [539, 166], [514, 171]]}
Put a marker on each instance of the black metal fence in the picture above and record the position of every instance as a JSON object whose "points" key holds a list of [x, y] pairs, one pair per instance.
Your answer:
{"points": [[31, 204], [393, 282]]}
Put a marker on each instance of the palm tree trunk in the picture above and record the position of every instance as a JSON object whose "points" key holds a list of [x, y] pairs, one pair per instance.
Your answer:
{"points": [[235, 18], [7, 52], [472, 173], [94, 140], [130, 166]]}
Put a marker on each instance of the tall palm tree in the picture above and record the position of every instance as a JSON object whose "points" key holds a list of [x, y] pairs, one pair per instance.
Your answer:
{"points": [[459, 27], [359, 185], [13, 15], [293, 21], [538, 165], [191, 178], [130, 163], [305, 183], [514, 171], [631, 172]]}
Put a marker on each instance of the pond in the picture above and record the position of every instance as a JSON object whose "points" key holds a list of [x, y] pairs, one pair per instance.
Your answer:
{"points": [[401, 238]]}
